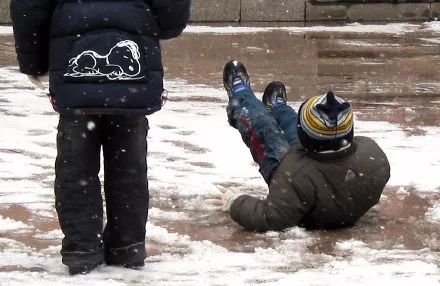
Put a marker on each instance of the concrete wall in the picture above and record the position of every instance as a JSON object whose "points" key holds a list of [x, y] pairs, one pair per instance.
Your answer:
{"points": [[412, 11], [369, 12], [4, 11], [314, 10], [301, 10]]}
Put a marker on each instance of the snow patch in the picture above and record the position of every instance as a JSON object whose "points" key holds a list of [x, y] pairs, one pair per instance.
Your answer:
{"points": [[391, 28], [155, 213], [363, 43], [433, 26], [55, 234], [431, 41], [349, 244], [5, 30], [433, 213], [7, 224]]}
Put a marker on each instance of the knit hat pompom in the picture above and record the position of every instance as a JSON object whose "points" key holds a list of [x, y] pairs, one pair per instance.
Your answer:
{"points": [[325, 123]]}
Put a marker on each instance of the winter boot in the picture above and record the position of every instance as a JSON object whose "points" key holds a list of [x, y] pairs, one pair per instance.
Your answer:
{"points": [[79, 270], [235, 77], [274, 95], [134, 265], [75, 270], [82, 262], [132, 256]]}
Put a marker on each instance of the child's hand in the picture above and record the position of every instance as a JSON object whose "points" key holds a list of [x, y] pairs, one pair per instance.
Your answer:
{"points": [[222, 199]]}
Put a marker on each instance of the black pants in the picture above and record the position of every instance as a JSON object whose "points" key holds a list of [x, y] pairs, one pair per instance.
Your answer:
{"points": [[78, 189]]}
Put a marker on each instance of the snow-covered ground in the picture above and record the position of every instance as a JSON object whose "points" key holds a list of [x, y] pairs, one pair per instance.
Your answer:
{"points": [[191, 150], [5, 30], [392, 28]]}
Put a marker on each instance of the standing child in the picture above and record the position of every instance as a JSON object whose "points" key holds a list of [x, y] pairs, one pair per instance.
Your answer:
{"points": [[106, 74]]}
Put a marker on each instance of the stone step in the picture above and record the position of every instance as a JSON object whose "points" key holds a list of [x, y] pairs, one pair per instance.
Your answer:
{"points": [[370, 12], [4, 11], [369, 1], [300, 10]]}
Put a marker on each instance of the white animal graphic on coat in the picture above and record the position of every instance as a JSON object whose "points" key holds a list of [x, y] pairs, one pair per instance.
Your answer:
{"points": [[121, 63]]}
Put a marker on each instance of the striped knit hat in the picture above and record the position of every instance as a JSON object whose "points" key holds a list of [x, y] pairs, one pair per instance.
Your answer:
{"points": [[325, 123]]}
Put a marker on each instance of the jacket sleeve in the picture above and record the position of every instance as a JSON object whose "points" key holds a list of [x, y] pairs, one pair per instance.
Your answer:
{"points": [[281, 209], [31, 23], [172, 16]]}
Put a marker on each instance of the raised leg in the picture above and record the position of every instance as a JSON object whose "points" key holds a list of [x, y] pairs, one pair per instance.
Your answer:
{"points": [[286, 119], [258, 128]]}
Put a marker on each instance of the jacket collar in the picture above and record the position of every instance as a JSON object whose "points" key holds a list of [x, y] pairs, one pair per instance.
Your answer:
{"points": [[332, 155]]}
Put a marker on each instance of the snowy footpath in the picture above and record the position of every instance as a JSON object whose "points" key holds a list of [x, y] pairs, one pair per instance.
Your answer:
{"points": [[192, 149]]}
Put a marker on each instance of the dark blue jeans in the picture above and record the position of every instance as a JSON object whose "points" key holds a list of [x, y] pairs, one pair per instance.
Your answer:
{"points": [[268, 133], [78, 189]]}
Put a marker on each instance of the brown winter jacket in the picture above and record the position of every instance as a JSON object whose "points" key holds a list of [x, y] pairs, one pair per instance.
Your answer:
{"points": [[318, 190]]}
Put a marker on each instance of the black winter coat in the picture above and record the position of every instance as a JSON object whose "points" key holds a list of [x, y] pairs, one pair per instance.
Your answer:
{"points": [[318, 190], [103, 55]]}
